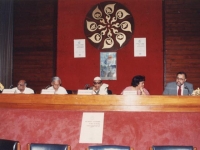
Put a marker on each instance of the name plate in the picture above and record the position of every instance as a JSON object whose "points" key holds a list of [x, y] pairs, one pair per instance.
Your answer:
{"points": [[8, 91], [46, 91], [84, 92], [130, 93]]}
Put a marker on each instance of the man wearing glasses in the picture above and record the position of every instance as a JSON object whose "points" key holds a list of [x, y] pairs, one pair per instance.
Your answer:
{"points": [[180, 87], [22, 89], [99, 88]]}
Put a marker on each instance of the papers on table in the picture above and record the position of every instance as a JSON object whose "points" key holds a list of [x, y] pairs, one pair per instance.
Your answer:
{"points": [[84, 92], [8, 91], [129, 93], [47, 91]]}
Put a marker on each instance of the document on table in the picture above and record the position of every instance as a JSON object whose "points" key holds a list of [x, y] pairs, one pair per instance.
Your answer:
{"points": [[92, 128], [79, 48], [140, 47]]}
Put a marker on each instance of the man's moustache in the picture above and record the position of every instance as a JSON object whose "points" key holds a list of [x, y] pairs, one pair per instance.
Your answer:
{"points": [[178, 83]]}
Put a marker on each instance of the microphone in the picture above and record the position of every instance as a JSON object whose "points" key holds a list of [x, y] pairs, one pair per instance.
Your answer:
{"points": [[87, 86], [11, 86], [187, 89], [47, 86]]}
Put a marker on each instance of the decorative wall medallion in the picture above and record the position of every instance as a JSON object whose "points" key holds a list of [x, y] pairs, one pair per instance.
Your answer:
{"points": [[109, 26]]}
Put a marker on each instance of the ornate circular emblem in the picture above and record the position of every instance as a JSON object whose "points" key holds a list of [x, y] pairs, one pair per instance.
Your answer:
{"points": [[108, 26]]}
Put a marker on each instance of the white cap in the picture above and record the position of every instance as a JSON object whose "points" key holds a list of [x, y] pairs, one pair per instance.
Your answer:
{"points": [[97, 78]]}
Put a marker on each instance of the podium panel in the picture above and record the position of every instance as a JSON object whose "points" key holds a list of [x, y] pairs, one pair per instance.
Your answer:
{"points": [[137, 121]]}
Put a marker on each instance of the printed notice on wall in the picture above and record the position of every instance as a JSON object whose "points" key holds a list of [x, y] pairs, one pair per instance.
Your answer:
{"points": [[92, 128], [79, 48], [140, 47]]}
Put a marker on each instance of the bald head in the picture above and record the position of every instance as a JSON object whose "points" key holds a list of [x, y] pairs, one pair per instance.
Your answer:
{"points": [[21, 85]]}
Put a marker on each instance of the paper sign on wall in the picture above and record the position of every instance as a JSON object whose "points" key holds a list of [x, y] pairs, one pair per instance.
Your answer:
{"points": [[79, 48], [140, 47], [92, 128]]}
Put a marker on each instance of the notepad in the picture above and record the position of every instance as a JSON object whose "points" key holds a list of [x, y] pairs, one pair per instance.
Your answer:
{"points": [[8, 91], [47, 91], [84, 92], [130, 93]]}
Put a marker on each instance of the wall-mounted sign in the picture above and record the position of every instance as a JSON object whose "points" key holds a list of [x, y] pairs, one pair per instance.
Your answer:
{"points": [[109, 26], [140, 47], [92, 127], [79, 48]]}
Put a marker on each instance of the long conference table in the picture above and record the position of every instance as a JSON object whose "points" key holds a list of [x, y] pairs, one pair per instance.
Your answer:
{"points": [[138, 121]]}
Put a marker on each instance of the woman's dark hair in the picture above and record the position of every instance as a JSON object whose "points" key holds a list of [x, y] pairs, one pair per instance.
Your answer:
{"points": [[137, 79]]}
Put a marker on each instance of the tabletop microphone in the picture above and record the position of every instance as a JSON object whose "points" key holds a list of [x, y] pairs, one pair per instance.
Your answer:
{"points": [[11, 86], [87, 86], [47, 86]]}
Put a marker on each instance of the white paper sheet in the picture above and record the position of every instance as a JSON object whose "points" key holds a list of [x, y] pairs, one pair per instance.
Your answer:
{"points": [[92, 128], [140, 47], [79, 48]]}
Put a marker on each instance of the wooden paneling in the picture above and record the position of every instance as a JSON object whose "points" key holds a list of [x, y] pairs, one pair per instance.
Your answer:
{"points": [[35, 27], [102, 102], [182, 39], [138, 121]]}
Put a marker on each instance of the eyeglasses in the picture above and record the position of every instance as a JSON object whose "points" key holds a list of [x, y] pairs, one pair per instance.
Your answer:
{"points": [[97, 82], [180, 79], [20, 84]]}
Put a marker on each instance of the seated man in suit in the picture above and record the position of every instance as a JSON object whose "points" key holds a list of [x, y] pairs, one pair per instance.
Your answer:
{"points": [[56, 86], [99, 88], [180, 87], [22, 89]]}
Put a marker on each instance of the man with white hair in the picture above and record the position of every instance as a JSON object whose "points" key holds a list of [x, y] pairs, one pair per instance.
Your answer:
{"points": [[99, 88], [56, 86]]}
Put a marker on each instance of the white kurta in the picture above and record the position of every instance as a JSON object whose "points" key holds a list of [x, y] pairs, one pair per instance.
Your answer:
{"points": [[26, 91], [61, 90], [103, 90]]}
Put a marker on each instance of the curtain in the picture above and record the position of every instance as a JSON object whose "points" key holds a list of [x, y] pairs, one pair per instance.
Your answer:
{"points": [[6, 42]]}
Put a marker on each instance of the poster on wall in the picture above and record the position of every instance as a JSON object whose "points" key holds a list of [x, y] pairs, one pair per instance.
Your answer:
{"points": [[92, 127], [108, 65], [79, 48], [140, 47]]}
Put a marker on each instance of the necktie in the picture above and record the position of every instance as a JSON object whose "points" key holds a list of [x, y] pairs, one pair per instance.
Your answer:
{"points": [[179, 90]]}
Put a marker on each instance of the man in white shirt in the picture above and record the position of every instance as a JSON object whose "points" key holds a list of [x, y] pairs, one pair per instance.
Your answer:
{"points": [[56, 86], [22, 89], [99, 88]]}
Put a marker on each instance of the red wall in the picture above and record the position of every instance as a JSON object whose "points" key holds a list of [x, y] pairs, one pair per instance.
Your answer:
{"points": [[76, 72], [139, 130]]}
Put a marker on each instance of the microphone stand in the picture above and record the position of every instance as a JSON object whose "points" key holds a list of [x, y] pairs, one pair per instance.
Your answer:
{"points": [[47, 86], [87, 86], [187, 90]]}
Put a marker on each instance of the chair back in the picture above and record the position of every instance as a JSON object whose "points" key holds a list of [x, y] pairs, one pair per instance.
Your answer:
{"points": [[112, 147], [42, 146], [172, 147], [69, 92], [9, 145], [109, 92]]}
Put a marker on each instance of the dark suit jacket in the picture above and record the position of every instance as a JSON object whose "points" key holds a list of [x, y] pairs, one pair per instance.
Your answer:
{"points": [[171, 89]]}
